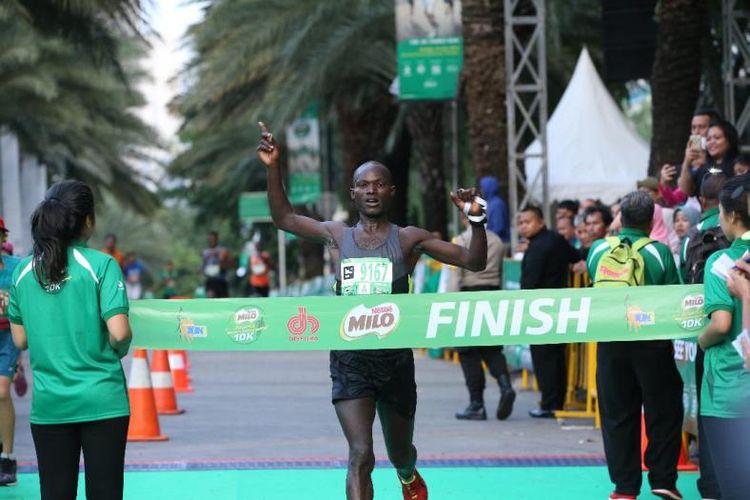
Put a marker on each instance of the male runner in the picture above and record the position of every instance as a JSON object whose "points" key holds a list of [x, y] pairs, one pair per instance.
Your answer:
{"points": [[382, 381]]}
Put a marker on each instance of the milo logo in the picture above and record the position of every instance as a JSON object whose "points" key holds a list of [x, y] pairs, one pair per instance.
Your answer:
{"points": [[692, 302], [690, 316], [361, 321], [246, 325]]}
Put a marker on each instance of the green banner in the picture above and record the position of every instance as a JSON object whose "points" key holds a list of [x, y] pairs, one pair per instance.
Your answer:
{"points": [[428, 320], [511, 274], [685, 351], [429, 49], [303, 148]]}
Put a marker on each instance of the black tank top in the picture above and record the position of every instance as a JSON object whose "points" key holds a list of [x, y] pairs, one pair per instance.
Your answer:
{"points": [[390, 249]]}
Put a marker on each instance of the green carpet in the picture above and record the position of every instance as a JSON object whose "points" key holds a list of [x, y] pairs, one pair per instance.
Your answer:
{"points": [[511, 483]]}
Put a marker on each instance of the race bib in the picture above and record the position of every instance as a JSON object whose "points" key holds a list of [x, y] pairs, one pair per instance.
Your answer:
{"points": [[366, 276], [212, 270]]}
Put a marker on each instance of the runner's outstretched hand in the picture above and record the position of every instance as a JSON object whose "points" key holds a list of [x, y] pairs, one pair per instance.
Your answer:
{"points": [[268, 149], [463, 196]]}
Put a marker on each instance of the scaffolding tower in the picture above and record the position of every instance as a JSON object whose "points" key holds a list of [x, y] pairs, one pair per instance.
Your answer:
{"points": [[736, 64], [526, 101]]}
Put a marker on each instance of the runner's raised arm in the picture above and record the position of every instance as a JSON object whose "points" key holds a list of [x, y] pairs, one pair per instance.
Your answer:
{"points": [[282, 212]]}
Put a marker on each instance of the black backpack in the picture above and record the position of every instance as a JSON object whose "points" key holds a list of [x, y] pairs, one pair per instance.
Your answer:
{"points": [[700, 247]]}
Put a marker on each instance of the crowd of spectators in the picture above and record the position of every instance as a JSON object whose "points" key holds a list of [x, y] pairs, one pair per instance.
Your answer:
{"points": [[697, 213]]}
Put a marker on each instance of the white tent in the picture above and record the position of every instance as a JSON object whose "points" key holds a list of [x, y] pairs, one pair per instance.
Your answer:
{"points": [[592, 149]]}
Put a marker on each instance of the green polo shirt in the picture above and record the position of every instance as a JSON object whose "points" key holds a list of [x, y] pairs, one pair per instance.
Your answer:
{"points": [[659, 262], [709, 220], [77, 374], [726, 384]]}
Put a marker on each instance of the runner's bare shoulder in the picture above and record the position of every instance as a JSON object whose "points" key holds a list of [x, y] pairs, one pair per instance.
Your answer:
{"points": [[335, 229]]}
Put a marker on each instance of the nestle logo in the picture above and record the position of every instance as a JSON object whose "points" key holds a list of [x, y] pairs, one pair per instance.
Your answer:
{"points": [[361, 321]]}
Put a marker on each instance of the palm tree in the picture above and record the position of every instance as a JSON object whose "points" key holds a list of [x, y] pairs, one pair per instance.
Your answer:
{"points": [[268, 59], [483, 85], [675, 80], [73, 113]]}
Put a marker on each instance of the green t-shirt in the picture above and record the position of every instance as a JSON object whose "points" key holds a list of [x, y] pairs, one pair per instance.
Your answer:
{"points": [[709, 220], [78, 376], [726, 384], [658, 259]]}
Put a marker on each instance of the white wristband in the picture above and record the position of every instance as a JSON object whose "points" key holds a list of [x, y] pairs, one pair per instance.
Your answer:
{"points": [[479, 201]]}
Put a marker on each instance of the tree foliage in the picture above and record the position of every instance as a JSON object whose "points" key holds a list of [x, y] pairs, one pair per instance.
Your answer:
{"points": [[67, 76], [267, 60]]}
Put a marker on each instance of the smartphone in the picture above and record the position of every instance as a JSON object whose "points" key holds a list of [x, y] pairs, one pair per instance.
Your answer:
{"points": [[697, 143]]}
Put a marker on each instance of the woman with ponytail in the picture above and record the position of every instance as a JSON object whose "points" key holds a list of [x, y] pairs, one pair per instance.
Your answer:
{"points": [[725, 392], [68, 306]]}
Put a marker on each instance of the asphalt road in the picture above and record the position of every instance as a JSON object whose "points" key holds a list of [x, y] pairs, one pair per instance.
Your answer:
{"points": [[255, 406]]}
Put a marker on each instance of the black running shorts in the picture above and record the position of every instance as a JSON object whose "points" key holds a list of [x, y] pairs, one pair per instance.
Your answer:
{"points": [[387, 375]]}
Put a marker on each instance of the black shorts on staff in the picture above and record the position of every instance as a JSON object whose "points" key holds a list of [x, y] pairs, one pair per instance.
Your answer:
{"points": [[387, 375]]}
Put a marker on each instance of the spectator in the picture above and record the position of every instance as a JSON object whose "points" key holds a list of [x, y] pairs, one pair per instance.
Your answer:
{"points": [[471, 357], [662, 229], [567, 230], [260, 271], [567, 208], [8, 363], [692, 272], [725, 393], [68, 306], [684, 219], [168, 280], [133, 270], [598, 219], [497, 211], [589, 203], [639, 374], [215, 267], [582, 234], [110, 248], [695, 158], [545, 265], [722, 149], [742, 165]]}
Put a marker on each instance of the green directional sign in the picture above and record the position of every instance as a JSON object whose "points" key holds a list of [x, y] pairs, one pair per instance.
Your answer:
{"points": [[429, 49], [254, 207], [303, 146]]}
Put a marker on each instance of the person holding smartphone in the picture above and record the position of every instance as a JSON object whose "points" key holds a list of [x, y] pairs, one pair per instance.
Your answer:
{"points": [[69, 307], [722, 148], [674, 179]]}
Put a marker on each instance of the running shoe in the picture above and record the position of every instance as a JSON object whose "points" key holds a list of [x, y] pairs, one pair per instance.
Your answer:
{"points": [[621, 496], [8, 472], [672, 494], [416, 489]]}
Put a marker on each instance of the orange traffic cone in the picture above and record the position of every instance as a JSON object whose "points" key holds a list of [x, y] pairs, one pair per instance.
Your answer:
{"points": [[188, 364], [179, 373], [144, 422], [161, 380], [683, 464]]}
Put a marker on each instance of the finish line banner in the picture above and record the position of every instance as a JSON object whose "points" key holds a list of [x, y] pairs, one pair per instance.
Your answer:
{"points": [[429, 320]]}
